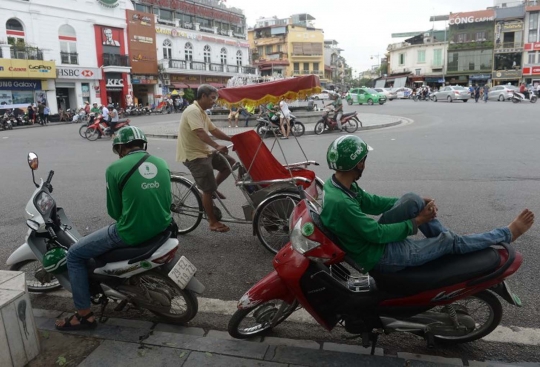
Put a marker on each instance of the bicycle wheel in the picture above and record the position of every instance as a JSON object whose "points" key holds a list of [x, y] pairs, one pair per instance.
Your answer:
{"points": [[186, 207], [91, 134], [271, 220]]}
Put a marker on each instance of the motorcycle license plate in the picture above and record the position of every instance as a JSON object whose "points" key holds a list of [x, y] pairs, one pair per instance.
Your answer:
{"points": [[513, 296], [182, 272]]}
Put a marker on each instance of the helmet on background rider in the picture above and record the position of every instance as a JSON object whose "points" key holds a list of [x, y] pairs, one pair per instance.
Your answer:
{"points": [[55, 261], [126, 135], [346, 152]]}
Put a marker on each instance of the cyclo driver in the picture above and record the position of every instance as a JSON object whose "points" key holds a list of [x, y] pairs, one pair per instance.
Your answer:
{"points": [[383, 245], [138, 198]]}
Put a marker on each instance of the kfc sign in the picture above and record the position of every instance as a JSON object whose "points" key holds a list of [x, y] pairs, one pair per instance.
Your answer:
{"points": [[115, 82], [66, 72]]}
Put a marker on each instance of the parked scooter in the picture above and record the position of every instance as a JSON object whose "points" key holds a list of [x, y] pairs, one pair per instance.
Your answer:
{"points": [[349, 122], [450, 300], [146, 275], [267, 126], [520, 97], [6, 122]]}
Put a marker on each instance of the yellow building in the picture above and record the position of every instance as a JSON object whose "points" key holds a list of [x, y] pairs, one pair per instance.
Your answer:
{"points": [[290, 47]]}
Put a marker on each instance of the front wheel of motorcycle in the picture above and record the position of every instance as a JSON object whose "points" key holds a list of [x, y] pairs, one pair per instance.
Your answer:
{"points": [[319, 127], [257, 320], [261, 129], [91, 134], [167, 299], [484, 308], [82, 131], [32, 268], [298, 129]]}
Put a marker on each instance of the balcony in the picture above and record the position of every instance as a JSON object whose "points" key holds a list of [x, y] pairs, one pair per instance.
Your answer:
{"points": [[71, 58], [232, 69], [115, 60], [219, 68], [210, 67], [26, 53]]}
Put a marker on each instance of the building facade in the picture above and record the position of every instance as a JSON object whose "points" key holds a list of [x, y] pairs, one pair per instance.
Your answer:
{"points": [[198, 42], [470, 48], [334, 65], [508, 45], [531, 54], [290, 47], [58, 52]]}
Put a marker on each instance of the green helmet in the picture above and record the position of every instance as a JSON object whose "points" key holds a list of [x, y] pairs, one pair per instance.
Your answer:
{"points": [[55, 261], [346, 152], [126, 135]]}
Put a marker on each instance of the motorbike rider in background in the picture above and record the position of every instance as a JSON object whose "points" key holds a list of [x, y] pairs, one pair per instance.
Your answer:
{"points": [[338, 108], [141, 207], [383, 245]]}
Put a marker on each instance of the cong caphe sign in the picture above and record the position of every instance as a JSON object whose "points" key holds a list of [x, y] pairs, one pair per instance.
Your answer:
{"points": [[142, 42], [472, 17]]}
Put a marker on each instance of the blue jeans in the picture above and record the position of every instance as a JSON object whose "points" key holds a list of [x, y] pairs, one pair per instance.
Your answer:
{"points": [[95, 244], [439, 241]]}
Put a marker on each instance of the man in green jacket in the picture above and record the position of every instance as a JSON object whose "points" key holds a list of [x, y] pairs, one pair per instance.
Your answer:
{"points": [[139, 203], [383, 245]]}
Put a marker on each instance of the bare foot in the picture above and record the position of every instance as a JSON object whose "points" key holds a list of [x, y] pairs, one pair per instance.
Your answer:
{"points": [[219, 227], [521, 224]]}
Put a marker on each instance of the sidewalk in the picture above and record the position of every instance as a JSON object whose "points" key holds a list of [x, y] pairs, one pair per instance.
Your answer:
{"points": [[134, 343], [369, 121]]}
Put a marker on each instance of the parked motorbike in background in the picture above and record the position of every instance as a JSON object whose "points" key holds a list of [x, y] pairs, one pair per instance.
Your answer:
{"points": [[6, 122], [349, 122], [267, 126], [450, 300], [147, 276], [518, 97]]}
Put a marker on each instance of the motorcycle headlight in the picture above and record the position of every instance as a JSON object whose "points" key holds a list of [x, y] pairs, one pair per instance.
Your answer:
{"points": [[299, 241], [44, 203]]}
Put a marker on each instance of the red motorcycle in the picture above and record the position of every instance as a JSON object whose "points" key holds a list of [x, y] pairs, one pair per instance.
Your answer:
{"points": [[450, 300], [101, 128], [349, 122]]}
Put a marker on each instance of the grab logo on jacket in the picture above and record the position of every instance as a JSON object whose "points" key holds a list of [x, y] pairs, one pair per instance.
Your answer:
{"points": [[148, 170]]}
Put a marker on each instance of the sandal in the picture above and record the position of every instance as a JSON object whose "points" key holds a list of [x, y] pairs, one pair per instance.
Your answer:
{"points": [[84, 324], [221, 229]]}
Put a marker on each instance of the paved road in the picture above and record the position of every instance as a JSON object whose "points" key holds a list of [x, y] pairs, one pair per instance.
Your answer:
{"points": [[479, 162]]}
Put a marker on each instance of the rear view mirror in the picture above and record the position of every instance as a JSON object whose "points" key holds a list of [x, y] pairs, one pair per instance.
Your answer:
{"points": [[33, 161]]}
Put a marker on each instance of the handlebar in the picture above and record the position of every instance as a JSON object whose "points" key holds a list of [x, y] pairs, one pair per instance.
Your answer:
{"points": [[51, 174]]}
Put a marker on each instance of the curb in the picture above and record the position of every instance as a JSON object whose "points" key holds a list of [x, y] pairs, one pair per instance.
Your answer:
{"points": [[38, 125], [259, 351], [402, 120]]}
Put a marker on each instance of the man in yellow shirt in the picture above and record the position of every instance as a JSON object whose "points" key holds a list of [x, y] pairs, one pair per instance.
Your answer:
{"points": [[193, 150]]}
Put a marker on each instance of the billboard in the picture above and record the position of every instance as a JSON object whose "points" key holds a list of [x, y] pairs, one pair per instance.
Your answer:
{"points": [[36, 69], [142, 42]]}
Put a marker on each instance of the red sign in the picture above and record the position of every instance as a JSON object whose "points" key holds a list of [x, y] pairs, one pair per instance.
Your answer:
{"points": [[87, 73], [534, 70], [532, 46], [196, 10]]}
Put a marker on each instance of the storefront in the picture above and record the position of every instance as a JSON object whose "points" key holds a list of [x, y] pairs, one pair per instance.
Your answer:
{"points": [[76, 85], [144, 89], [507, 77], [182, 81], [479, 79], [508, 50], [531, 75], [25, 82]]}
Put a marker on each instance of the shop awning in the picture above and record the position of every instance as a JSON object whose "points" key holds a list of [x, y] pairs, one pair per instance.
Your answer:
{"points": [[194, 86], [180, 85], [217, 85]]}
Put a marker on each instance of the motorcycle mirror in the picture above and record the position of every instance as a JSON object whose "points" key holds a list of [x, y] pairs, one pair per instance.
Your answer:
{"points": [[33, 161]]}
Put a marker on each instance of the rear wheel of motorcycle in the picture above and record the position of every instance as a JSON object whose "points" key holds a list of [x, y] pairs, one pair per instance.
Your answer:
{"points": [[494, 315], [31, 267], [261, 130], [271, 220], [298, 129], [82, 131], [91, 134], [186, 208], [257, 320], [319, 127], [515, 100], [351, 126], [534, 99], [184, 304]]}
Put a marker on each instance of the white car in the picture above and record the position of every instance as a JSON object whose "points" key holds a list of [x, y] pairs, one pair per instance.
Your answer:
{"points": [[502, 92], [325, 94], [390, 95], [402, 93]]}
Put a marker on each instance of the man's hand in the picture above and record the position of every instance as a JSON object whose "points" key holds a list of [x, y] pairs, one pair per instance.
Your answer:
{"points": [[222, 149], [427, 214]]}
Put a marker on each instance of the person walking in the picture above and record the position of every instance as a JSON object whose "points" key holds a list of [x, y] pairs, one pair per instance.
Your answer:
{"points": [[41, 109], [485, 92], [476, 93], [46, 113]]}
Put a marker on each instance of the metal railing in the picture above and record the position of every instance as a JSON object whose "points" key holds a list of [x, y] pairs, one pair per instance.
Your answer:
{"points": [[115, 60], [203, 66], [71, 58], [26, 53], [217, 67]]}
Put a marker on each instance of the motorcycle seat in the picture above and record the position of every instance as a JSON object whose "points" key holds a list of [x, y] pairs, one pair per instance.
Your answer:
{"points": [[442, 272], [136, 253]]}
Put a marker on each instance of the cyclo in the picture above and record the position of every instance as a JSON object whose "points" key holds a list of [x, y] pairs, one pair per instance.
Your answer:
{"points": [[269, 187]]}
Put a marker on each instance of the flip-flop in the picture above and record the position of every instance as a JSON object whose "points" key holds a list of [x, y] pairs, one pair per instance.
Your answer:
{"points": [[221, 229], [84, 324]]}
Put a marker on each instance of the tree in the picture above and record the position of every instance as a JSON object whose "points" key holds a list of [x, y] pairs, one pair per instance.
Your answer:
{"points": [[189, 94]]}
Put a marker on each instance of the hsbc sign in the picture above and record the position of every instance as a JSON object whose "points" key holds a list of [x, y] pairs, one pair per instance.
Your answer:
{"points": [[68, 72]]}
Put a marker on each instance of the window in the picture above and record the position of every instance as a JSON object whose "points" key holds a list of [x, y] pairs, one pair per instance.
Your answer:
{"points": [[239, 58], [437, 57], [462, 37], [260, 51], [68, 45], [278, 48], [306, 67], [165, 14], [188, 52], [401, 59], [296, 67], [315, 66], [269, 49], [480, 36], [167, 49], [418, 72], [477, 60], [533, 27], [140, 7], [508, 61], [223, 56], [532, 58], [421, 56], [15, 32], [207, 51]]}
